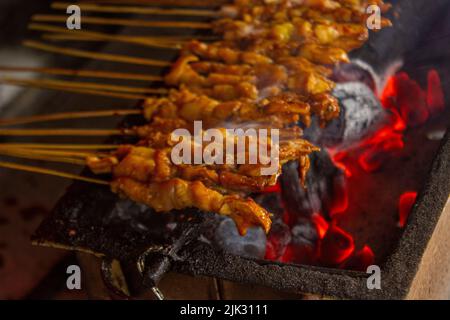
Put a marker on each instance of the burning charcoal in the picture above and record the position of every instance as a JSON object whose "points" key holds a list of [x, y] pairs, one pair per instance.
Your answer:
{"points": [[303, 248], [252, 245], [360, 260], [336, 246], [325, 192], [277, 241], [304, 232], [405, 205], [361, 115], [411, 100], [435, 94], [375, 156], [414, 104], [297, 200]]}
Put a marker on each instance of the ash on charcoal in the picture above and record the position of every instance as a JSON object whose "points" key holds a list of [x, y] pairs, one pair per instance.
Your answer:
{"points": [[304, 233], [357, 71], [323, 181], [278, 239], [361, 116], [436, 135], [303, 248], [252, 245]]}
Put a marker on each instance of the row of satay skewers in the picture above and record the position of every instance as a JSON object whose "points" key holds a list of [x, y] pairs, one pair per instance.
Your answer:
{"points": [[270, 67]]}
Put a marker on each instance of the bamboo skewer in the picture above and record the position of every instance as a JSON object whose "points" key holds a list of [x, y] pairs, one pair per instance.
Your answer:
{"points": [[26, 154], [169, 3], [163, 38], [68, 115], [95, 55], [51, 172], [65, 132], [85, 73], [126, 22], [49, 146], [68, 156], [60, 37], [37, 84], [57, 153], [55, 37], [89, 86], [90, 7], [99, 36]]}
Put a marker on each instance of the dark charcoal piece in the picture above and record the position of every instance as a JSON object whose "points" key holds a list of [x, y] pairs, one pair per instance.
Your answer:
{"points": [[354, 72], [361, 115], [278, 239], [303, 248], [272, 203], [304, 233], [321, 181], [252, 245]]}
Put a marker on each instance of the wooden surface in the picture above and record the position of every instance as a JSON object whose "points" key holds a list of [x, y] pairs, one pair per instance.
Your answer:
{"points": [[433, 278]]}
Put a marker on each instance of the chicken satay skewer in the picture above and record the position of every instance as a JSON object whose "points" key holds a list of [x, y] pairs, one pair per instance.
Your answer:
{"points": [[173, 194], [179, 105]]}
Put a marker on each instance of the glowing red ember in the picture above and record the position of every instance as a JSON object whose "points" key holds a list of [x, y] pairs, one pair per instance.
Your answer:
{"points": [[409, 106], [435, 95], [321, 225], [405, 205], [360, 260], [336, 246]]}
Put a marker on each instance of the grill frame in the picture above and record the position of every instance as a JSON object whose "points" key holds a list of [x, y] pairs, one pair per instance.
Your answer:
{"points": [[398, 271]]}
